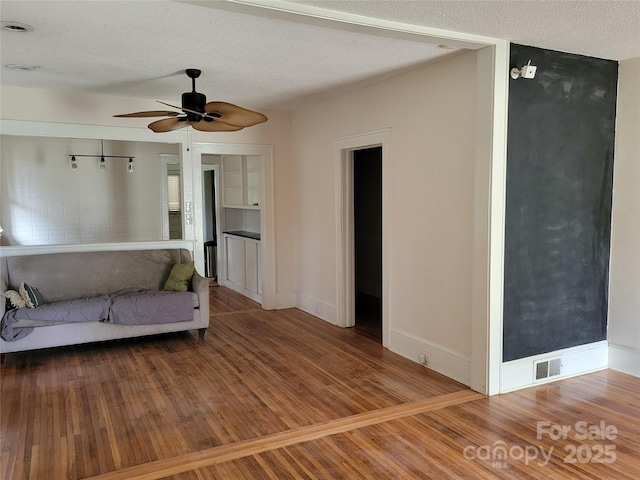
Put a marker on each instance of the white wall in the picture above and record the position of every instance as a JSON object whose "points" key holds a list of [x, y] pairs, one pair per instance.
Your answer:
{"points": [[431, 113], [624, 285], [44, 202]]}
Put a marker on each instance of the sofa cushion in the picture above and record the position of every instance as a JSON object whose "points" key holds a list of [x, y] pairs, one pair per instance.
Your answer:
{"points": [[31, 295], [14, 299], [18, 323], [91, 309], [180, 277], [142, 307]]}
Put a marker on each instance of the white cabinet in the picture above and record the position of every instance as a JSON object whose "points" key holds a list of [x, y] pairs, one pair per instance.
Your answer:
{"points": [[251, 266], [235, 259], [243, 266], [242, 181]]}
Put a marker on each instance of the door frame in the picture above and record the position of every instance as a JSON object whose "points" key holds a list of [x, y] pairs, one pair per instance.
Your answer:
{"points": [[345, 264], [267, 217], [216, 169]]}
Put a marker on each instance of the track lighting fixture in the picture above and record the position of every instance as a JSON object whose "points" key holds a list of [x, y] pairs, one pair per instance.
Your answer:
{"points": [[102, 165]]}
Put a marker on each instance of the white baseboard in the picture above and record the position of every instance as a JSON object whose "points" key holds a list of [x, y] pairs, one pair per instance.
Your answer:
{"points": [[319, 309], [443, 360], [256, 297], [579, 360], [624, 359], [286, 300]]}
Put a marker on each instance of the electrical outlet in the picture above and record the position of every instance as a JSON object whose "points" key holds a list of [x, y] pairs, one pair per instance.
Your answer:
{"points": [[422, 359]]}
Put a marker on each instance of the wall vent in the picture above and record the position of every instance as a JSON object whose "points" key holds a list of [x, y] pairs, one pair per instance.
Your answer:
{"points": [[547, 368]]}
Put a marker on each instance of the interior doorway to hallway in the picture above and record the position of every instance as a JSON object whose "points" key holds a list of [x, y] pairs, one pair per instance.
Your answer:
{"points": [[345, 150], [367, 238]]}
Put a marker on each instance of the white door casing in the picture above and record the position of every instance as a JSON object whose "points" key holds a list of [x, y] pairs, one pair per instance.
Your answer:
{"points": [[345, 281]]}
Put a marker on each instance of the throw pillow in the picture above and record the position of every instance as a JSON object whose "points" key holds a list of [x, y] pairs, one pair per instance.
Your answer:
{"points": [[180, 277], [15, 299], [31, 296]]}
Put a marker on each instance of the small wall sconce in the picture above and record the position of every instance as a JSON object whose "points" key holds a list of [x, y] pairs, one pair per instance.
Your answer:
{"points": [[74, 164], [102, 165], [130, 165], [528, 71]]}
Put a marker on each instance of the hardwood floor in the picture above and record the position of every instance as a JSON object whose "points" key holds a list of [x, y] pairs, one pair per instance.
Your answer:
{"points": [[281, 394]]}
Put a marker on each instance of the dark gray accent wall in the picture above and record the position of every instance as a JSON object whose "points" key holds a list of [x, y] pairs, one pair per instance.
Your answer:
{"points": [[558, 212]]}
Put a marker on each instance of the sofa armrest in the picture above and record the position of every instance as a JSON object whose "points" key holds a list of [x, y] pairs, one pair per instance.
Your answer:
{"points": [[200, 285]]}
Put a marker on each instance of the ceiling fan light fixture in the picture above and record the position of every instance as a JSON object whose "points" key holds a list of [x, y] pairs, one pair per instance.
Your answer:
{"points": [[193, 105], [203, 116]]}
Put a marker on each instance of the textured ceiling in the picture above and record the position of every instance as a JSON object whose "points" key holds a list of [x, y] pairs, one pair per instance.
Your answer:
{"points": [[140, 48], [597, 28]]}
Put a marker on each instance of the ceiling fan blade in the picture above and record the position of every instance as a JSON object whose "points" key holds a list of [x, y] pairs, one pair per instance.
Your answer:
{"points": [[169, 124], [234, 115], [214, 126], [175, 106], [185, 110], [152, 113]]}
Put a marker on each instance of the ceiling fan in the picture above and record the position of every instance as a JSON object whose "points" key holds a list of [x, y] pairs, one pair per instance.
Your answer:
{"points": [[203, 116]]}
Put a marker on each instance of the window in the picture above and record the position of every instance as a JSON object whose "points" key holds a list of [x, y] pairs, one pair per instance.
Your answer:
{"points": [[173, 192]]}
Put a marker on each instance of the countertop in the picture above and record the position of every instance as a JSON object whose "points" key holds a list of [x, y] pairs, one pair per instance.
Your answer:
{"points": [[244, 233]]}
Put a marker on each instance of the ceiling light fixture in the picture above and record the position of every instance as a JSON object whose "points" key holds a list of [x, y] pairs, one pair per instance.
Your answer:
{"points": [[196, 112], [16, 27], [102, 164]]}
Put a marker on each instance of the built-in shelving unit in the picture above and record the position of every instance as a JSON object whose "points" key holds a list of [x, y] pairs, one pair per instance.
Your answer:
{"points": [[242, 200], [242, 177]]}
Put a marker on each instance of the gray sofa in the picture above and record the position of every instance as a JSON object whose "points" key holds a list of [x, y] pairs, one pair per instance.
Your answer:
{"points": [[137, 276]]}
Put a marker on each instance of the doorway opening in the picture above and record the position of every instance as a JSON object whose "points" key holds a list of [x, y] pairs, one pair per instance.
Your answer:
{"points": [[346, 148], [367, 241], [210, 220], [261, 259]]}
